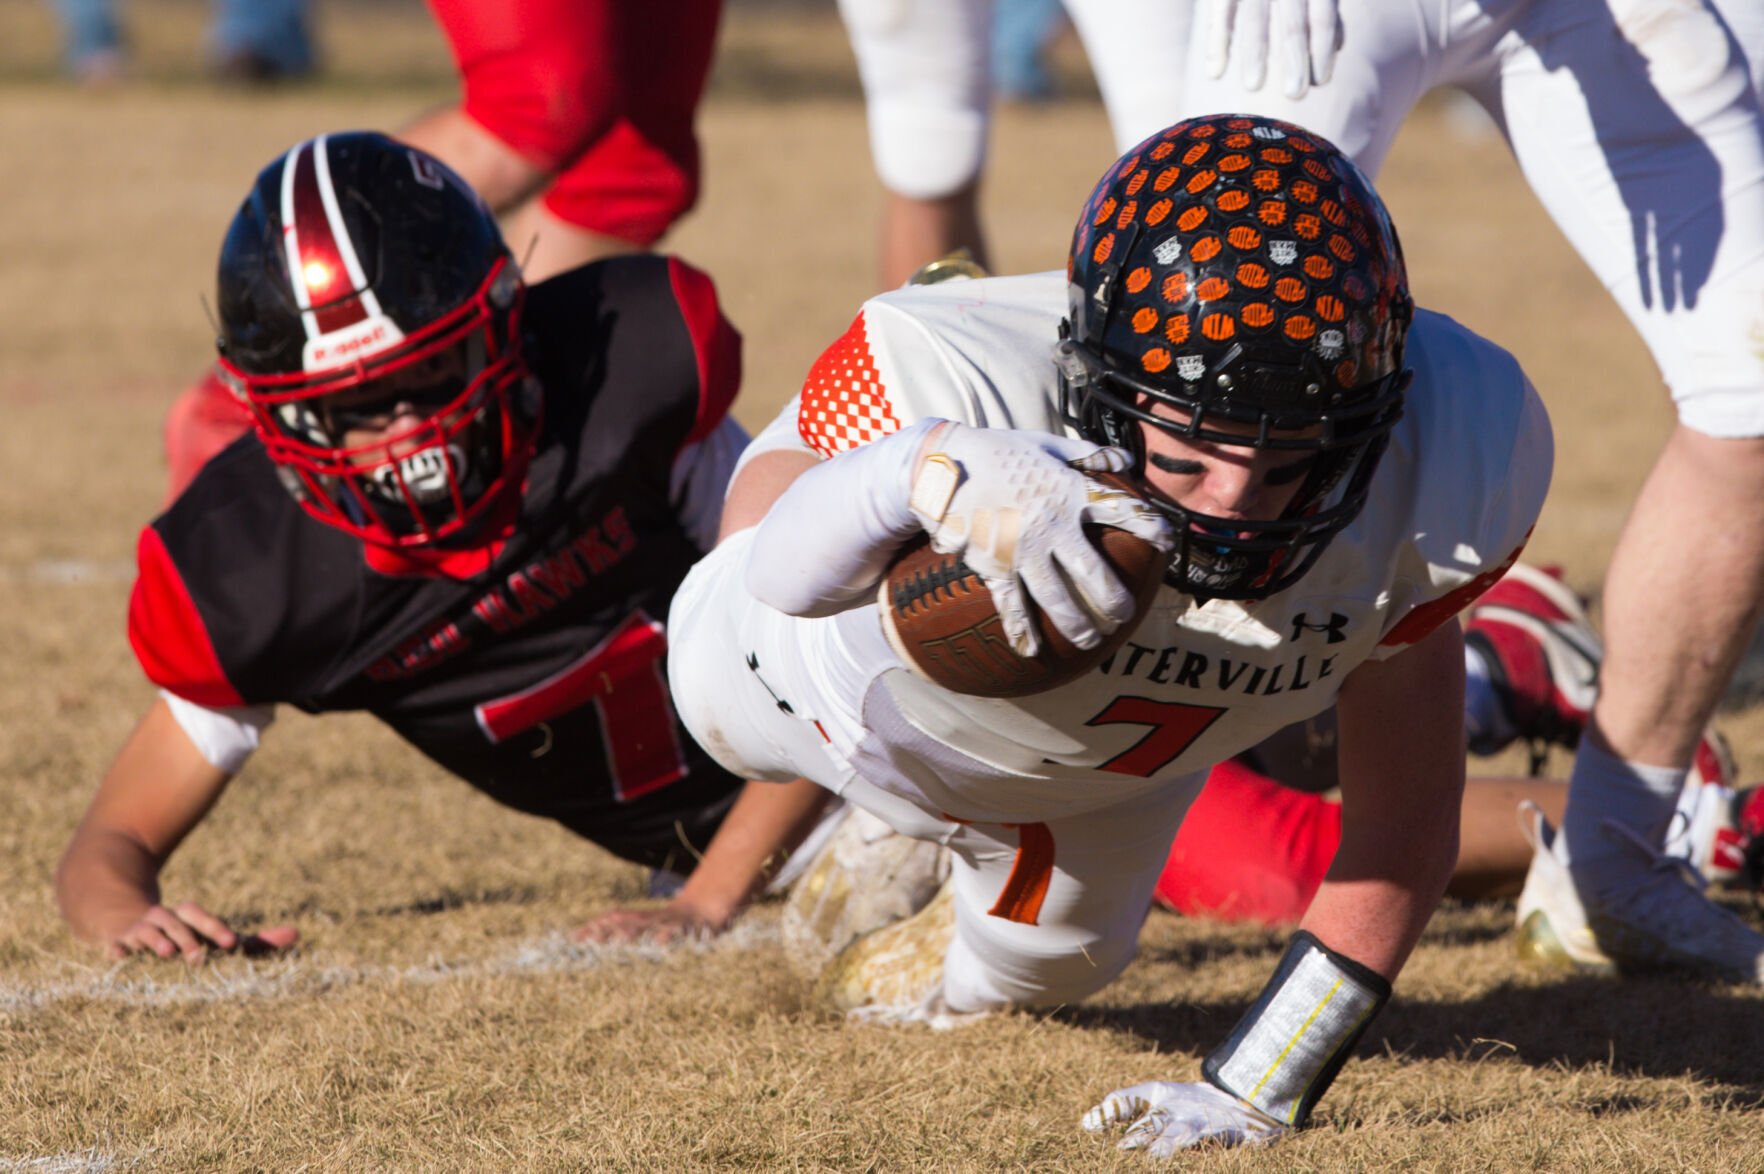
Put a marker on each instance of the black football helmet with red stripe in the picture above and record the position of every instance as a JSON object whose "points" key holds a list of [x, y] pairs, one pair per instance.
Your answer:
{"points": [[1239, 269], [370, 318]]}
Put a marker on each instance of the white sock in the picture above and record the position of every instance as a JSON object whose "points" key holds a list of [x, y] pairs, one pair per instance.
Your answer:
{"points": [[1487, 726], [1604, 787]]}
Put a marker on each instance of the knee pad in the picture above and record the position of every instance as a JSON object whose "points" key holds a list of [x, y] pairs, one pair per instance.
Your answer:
{"points": [[927, 86]]}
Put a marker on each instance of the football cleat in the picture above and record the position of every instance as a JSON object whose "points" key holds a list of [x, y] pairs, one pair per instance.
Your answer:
{"points": [[866, 876], [1646, 914], [1716, 825], [1543, 658], [1552, 928], [894, 975]]}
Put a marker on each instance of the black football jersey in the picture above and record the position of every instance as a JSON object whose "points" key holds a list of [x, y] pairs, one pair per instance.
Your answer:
{"points": [[533, 667]]}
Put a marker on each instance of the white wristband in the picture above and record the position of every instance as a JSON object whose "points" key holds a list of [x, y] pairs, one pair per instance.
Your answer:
{"points": [[1287, 1048]]}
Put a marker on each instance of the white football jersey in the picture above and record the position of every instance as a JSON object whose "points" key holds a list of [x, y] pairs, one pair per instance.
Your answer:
{"points": [[1451, 507]]}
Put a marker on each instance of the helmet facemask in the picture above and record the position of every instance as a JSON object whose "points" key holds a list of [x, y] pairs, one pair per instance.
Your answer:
{"points": [[459, 382], [1240, 558]]}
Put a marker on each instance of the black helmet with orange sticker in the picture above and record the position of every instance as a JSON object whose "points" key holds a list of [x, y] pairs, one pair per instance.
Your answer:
{"points": [[1242, 273]]}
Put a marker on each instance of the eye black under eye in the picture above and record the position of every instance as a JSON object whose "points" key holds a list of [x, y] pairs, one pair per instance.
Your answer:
{"points": [[1176, 465]]}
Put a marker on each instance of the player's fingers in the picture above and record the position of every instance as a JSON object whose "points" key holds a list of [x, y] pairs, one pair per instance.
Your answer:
{"points": [[625, 926], [1092, 458], [273, 940], [1099, 589], [1134, 515], [207, 924], [1251, 39], [146, 938], [1290, 39], [608, 929], [1325, 25], [1013, 614], [1121, 1106], [1058, 598], [180, 934], [1214, 33]]}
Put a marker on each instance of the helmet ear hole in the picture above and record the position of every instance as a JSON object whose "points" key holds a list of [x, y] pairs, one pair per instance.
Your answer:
{"points": [[1243, 272]]}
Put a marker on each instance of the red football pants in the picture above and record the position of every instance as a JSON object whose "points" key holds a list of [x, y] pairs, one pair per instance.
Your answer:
{"points": [[602, 94], [1250, 849]]}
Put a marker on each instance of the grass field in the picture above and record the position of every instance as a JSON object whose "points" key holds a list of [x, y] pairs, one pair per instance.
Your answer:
{"points": [[435, 1017]]}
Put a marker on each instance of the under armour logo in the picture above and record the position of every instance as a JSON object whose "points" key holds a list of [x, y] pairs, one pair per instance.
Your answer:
{"points": [[1336, 623], [753, 666]]}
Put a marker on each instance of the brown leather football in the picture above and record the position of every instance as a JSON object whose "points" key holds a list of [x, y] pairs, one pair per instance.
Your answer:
{"points": [[940, 617]]}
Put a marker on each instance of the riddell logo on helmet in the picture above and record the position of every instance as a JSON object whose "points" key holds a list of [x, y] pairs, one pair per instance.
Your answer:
{"points": [[359, 341]]}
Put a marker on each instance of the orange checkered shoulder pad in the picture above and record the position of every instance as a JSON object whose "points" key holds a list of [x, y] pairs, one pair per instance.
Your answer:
{"points": [[844, 403]]}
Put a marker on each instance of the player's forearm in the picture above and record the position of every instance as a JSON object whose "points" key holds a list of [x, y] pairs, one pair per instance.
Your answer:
{"points": [[104, 883], [764, 826], [1376, 920]]}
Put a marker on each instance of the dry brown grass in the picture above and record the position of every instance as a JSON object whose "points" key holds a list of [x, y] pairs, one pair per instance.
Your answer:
{"points": [[432, 1018]]}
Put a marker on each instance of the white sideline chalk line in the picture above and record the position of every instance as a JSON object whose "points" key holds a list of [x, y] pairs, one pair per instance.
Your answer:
{"points": [[270, 979], [66, 572], [89, 1162]]}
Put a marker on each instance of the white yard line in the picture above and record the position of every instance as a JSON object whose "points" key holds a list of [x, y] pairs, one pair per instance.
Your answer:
{"points": [[229, 980], [89, 1162], [66, 572]]}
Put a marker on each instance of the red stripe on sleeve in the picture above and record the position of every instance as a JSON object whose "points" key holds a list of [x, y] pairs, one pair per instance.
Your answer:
{"points": [[716, 345], [844, 403], [167, 632], [1426, 617]]}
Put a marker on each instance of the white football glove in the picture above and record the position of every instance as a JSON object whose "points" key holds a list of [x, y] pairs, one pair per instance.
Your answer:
{"points": [[1013, 504], [1162, 1118], [1304, 35]]}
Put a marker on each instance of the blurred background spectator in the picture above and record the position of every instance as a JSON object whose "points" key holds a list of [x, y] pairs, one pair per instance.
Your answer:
{"points": [[248, 40]]}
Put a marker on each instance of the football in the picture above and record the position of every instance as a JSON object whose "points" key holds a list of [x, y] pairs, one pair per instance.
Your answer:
{"points": [[940, 617]]}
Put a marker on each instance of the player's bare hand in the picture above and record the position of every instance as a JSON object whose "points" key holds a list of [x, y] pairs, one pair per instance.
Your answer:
{"points": [[672, 922], [1162, 1117], [190, 932]]}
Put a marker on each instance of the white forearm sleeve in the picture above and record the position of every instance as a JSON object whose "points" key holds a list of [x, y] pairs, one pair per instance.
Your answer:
{"points": [[827, 540], [224, 737]]}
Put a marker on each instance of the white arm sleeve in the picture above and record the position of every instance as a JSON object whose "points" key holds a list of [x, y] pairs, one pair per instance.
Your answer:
{"points": [[224, 737], [700, 479], [825, 543]]}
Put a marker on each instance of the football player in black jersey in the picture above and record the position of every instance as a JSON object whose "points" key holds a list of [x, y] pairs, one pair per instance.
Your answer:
{"points": [[464, 508]]}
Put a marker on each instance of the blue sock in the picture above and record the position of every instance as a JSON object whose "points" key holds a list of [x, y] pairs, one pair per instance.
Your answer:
{"points": [[1604, 788]]}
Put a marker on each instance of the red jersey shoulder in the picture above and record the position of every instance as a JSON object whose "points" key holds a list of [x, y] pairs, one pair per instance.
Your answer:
{"points": [[716, 344], [844, 402], [1423, 619], [167, 633]]}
